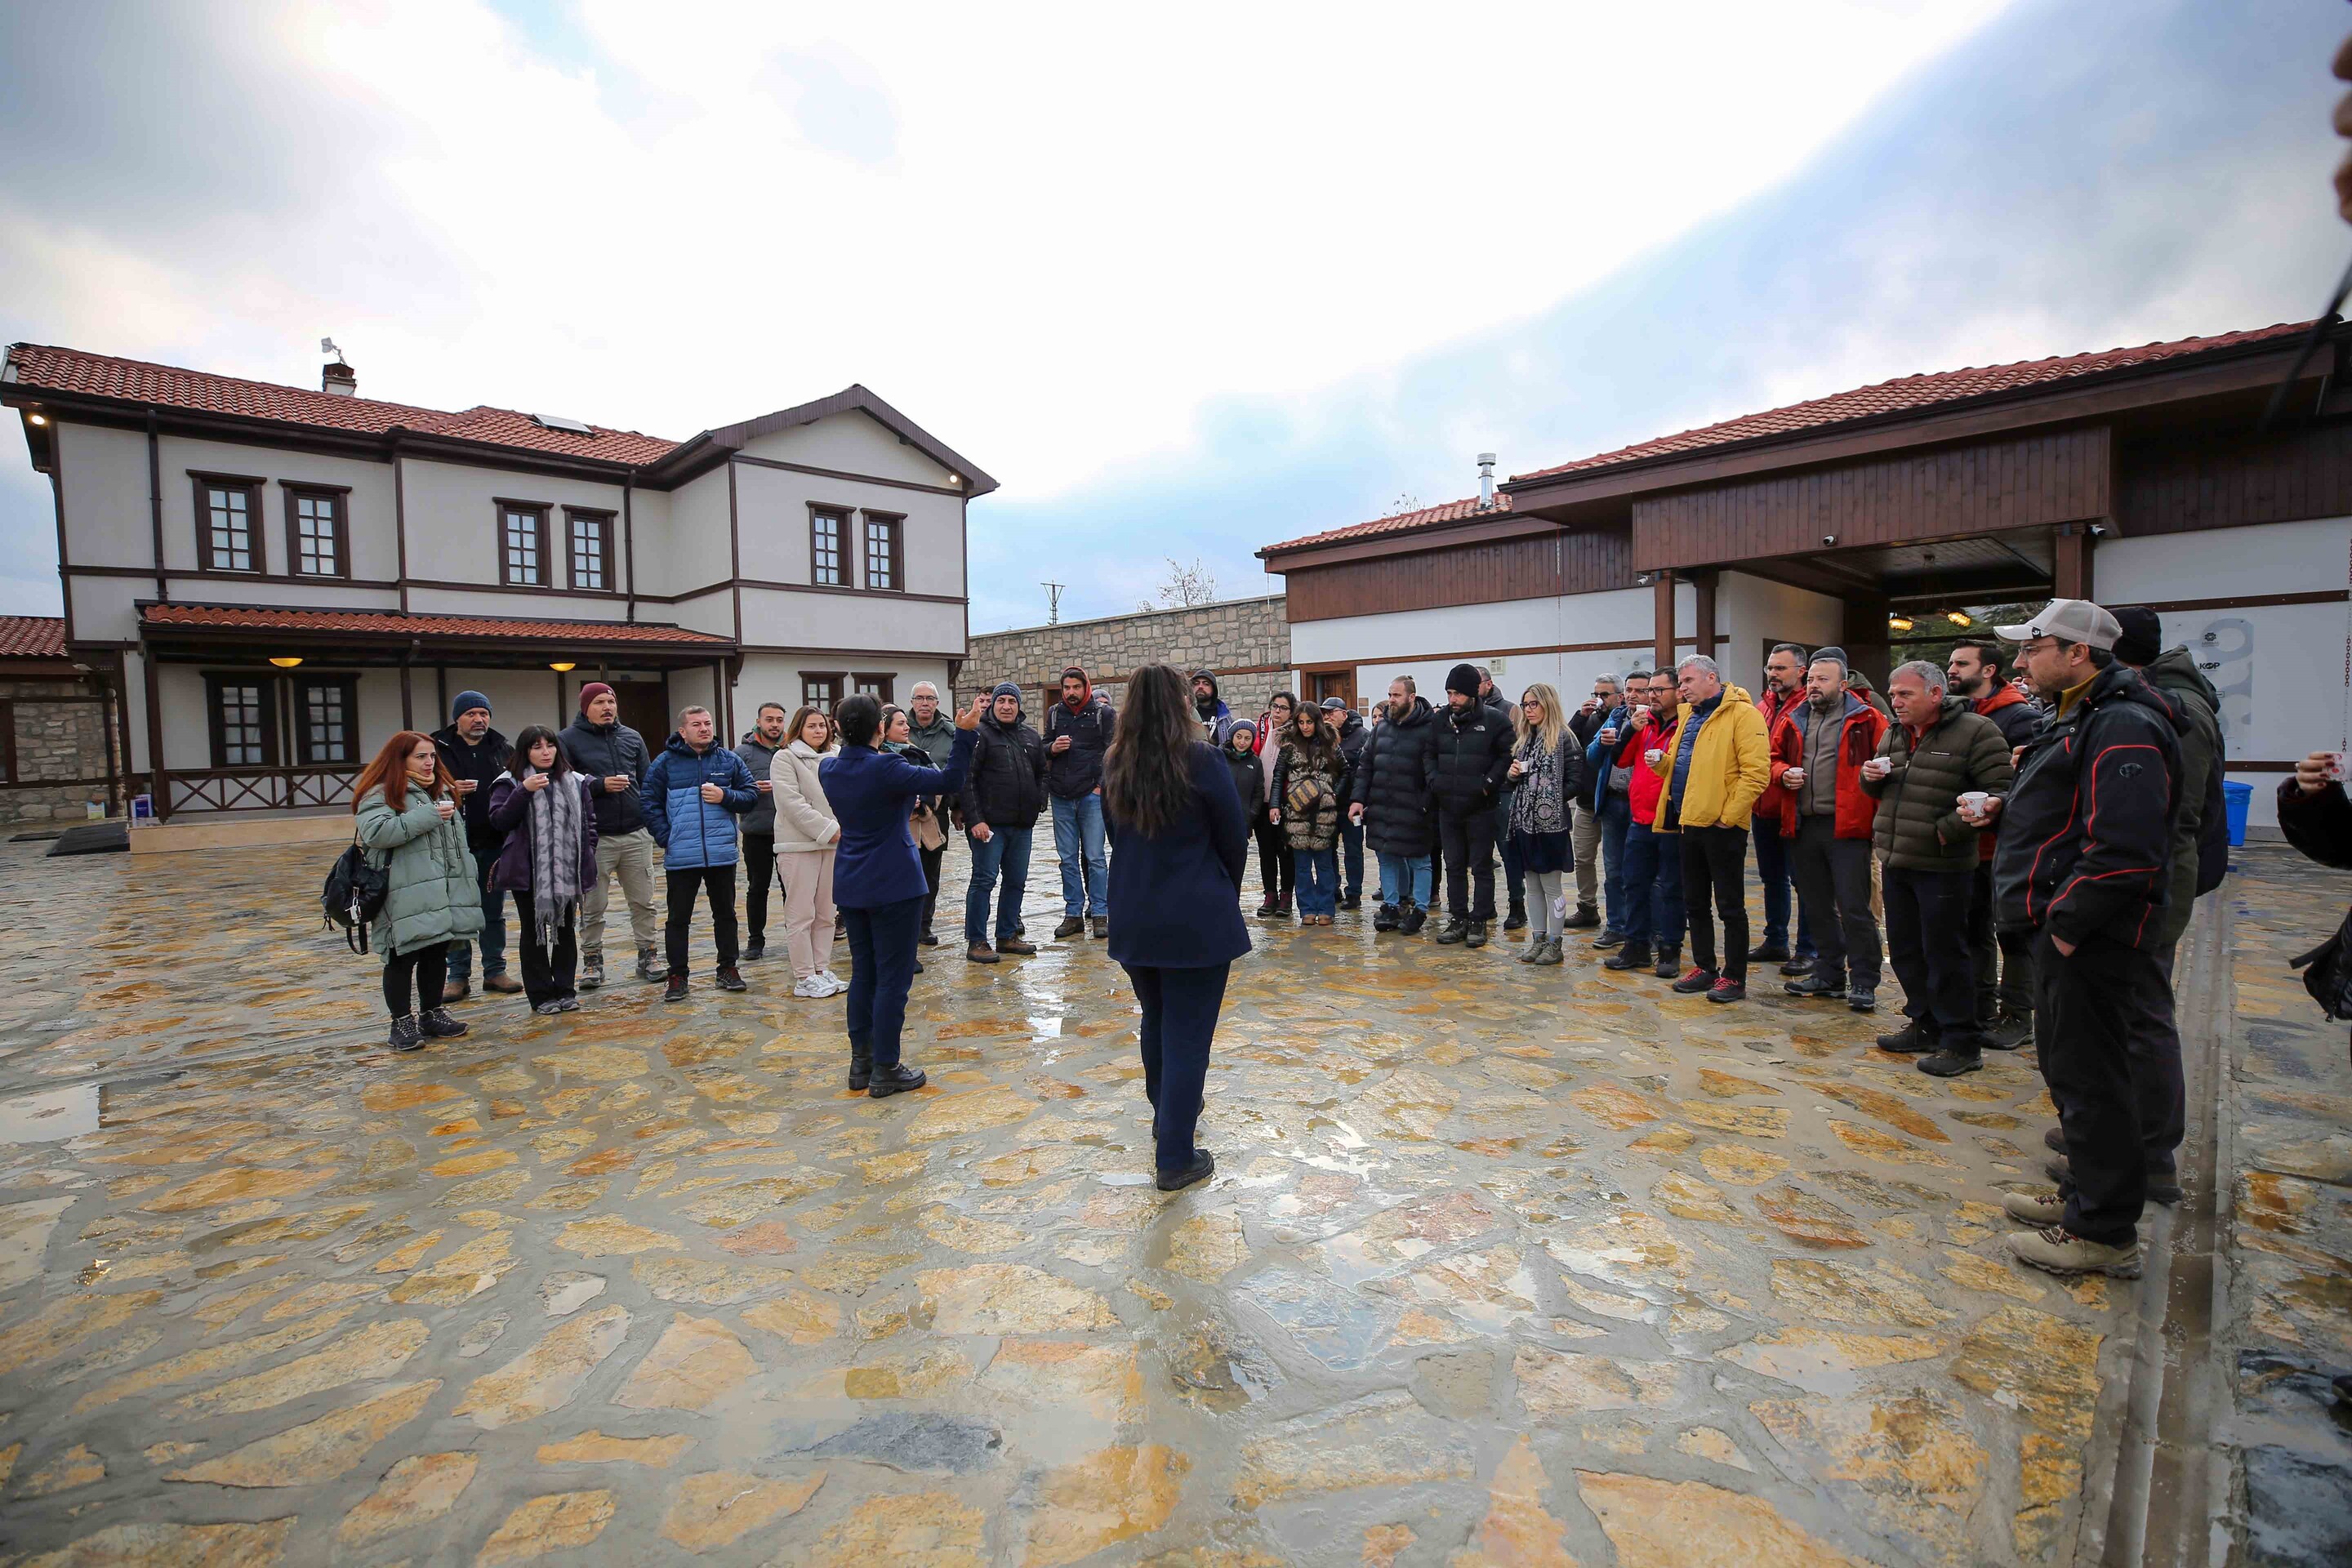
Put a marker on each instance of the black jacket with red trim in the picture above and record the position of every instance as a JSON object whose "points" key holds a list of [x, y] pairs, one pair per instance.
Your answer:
{"points": [[2085, 844]]}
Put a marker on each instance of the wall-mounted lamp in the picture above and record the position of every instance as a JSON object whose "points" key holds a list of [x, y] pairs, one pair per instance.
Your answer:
{"points": [[285, 662], [1898, 623], [37, 419], [566, 667]]}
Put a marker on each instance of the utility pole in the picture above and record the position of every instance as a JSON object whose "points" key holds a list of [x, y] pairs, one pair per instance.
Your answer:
{"points": [[1052, 603]]}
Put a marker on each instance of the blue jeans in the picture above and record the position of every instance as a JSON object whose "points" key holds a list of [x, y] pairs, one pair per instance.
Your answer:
{"points": [[881, 969], [1179, 1019], [494, 928], [1078, 841], [1351, 858], [1653, 869], [1775, 870], [1318, 880], [1007, 850], [1615, 815], [1404, 879]]}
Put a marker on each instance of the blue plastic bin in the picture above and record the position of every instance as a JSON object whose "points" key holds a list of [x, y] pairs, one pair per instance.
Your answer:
{"points": [[2237, 798]]}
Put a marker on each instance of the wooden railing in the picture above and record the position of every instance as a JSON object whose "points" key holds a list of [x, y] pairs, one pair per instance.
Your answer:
{"points": [[261, 789]]}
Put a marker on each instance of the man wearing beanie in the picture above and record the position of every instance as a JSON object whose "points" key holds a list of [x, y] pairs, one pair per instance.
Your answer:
{"points": [[1002, 794], [1471, 756], [1078, 733], [476, 755], [613, 758]]}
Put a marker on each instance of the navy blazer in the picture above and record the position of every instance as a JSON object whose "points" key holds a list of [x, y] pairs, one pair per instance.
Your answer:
{"points": [[1173, 894], [874, 862]]}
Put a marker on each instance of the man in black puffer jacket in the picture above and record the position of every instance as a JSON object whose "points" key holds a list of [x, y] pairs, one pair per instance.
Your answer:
{"points": [[476, 755], [1077, 734], [1391, 799], [1472, 757], [1002, 800]]}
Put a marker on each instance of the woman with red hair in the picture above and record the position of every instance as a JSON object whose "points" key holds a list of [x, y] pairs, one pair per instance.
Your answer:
{"points": [[406, 805]]}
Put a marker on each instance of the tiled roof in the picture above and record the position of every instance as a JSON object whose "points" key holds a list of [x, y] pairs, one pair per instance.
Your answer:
{"points": [[392, 623], [32, 636], [1428, 516], [59, 370], [1909, 393]]}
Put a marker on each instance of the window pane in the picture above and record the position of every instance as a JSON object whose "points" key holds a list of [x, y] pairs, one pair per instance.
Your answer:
{"points": [[818, 694], [881, 554], [240, 724], [229, 520], [826, 557], [523, 547], [326, 724], [588, 552], [314, 541]]}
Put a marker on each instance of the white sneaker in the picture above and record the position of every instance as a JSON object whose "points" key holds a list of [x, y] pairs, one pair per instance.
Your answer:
{"points": [[808, 985], [833, 984]]}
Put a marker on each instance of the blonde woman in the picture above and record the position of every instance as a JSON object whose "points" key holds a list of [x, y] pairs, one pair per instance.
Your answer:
{"points": [[1547, 777], [806, 836]]}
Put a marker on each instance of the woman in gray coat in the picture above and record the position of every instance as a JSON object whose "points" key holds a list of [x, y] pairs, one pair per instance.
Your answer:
{"points": [[406, 805]]}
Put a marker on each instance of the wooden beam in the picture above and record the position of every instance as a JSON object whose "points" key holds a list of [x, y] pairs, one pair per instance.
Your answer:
{"points": [[2070, 574], [159, 784], [1661, 619], [1703, 587]]}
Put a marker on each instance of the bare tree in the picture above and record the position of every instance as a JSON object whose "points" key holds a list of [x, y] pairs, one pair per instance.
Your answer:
{"points": [[1183, 588]]}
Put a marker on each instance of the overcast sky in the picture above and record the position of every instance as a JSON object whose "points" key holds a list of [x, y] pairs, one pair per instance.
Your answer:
{"points": [[1187, 281]]}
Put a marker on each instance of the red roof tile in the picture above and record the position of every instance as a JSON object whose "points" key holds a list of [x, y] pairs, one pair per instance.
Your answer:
{"points": [[60, 370], [392, 623], [1427, 517], [32, 636]]}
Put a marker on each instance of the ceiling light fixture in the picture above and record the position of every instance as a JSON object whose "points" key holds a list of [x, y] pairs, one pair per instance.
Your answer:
{"points": [[1898, 623], [1959, 617], [39, 418], [285, 661], [566, 667]]}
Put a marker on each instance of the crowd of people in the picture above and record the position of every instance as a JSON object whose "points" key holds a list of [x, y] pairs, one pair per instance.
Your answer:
{"points": [[2018, 835]]}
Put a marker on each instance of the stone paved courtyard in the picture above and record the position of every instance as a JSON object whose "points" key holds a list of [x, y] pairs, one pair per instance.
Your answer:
{"points": [[1501, 1265]]}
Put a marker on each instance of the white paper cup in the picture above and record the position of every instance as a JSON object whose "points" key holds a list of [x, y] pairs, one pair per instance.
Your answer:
{"points": [[1878, 767], [1973, 801], [1652, 756]]}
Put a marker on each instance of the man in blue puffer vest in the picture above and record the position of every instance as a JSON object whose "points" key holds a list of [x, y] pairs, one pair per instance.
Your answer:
{"points": [[693, 794]]}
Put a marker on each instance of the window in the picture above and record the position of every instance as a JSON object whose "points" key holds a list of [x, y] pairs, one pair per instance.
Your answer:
{"points": [[318, 535], [882, 567], [591, 547], [522, 543], [244, 719], [822, 692], [875, 685], [828, 533], [326, 718], [229, 514]]}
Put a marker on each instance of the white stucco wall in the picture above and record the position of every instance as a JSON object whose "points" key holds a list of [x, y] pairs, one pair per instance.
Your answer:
{"points": [[776, 617], [776, 678], [108, 523], [453, 526], [375, 552], [690, 549], [1753, 613], [773, 505], [852, 443]]}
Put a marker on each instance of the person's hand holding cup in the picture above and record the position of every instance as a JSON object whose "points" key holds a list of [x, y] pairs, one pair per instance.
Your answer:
{"points": [[2318, 771], [537, 782], [1519, 768], [1974, 805], [446, 807], [1608, 734], [465, 788], [1877, 767], [712, 794], [1652, 756], [615, 783], [1061, 744], [1641, 717], [1794, 778]]}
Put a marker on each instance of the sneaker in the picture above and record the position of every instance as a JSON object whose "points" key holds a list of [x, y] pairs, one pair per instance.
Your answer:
{"points": [[1352, 901], [675, 990], [434, 1024], [1815, 985], [833, 984], [2039, 1210], [1551, 954], [651, 965], [1607, 940], [1515, 918], [1797, 965], [1386, 918], [2008, 1032], [549, 1009], [756, 952], [1951, 1062], [1727, 990], [1453, 930], [456, 988], [2055, 1140], [1771, 952], [1914, 1036], [1415, 917], [567, 1003], [2163, 1187], [730, 978], [1633, 955], [896, 1078], [1533, 950], [2059, 1169], [808, 988], [1583, 918], [1204, 1166], [1862, 998], [592, 972], [1072, 925], [1099, 927], [1016, 945], [1669, 965], [1696, 980], [2060, 1251], [1477, 936], [980, 953], [505, 985], [405, 1034]]}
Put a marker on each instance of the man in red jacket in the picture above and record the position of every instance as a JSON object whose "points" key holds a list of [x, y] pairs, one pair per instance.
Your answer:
{"points": [[1784, 691], [2003, 960], [1818, 748]]}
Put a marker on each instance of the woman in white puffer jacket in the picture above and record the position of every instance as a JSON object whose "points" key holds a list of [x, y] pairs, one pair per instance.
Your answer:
{"points": [[806, 835]]}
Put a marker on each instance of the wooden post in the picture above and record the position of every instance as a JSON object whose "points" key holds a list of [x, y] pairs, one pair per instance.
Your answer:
{"points": [[158, 782], [1663, 619], [408, 699], [1866, 637], [2070, 574], [1703, 619]]}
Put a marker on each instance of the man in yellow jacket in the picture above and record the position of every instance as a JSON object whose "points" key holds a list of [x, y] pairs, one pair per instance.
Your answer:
{"points": [[1719, 764]]}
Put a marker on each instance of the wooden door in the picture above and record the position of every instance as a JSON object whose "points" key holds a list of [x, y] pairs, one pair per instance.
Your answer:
{"points": [[1339, 683], [644, 710]]}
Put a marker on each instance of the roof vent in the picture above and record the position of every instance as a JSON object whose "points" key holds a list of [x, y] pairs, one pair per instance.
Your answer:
{"points": [[340, 379], [1485, 481], [564, 422]]}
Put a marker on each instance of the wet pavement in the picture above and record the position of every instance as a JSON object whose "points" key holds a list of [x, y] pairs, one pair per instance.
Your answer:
{"points": [[1501, 1265]]}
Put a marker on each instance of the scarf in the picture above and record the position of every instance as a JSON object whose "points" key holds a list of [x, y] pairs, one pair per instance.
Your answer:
{"points": [[553, 823], [1537, 804]]}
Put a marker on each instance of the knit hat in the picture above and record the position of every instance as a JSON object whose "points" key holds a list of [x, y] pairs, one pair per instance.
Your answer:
{"points": [[2143, 637], [591, 691], [1006, 689], [1242, 727], [1463, 678], [466, 702]]}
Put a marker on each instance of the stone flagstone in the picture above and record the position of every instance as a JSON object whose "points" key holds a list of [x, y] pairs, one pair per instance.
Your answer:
{"points": [[316, 1450]]}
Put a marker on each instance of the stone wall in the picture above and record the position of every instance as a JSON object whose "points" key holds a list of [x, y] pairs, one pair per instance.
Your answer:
{"points": [[1245, 641], [53, 739]]}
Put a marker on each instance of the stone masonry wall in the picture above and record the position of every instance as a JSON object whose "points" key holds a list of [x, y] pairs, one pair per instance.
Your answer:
{"points": [[1246, 642], [53, 739]]}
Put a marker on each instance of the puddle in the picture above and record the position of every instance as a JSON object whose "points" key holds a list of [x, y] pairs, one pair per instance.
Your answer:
{"points": [[50, 1115]]}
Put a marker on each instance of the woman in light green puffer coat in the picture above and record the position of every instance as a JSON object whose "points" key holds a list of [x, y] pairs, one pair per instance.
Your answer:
{"points": [[406, 805]]}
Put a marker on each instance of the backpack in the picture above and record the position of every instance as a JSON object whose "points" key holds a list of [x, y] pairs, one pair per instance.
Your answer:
{"points": [[2213, 834], [354, 894]]}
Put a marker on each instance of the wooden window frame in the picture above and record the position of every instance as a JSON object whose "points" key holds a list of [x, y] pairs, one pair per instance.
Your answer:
{"points": [[271, 752], [538, 509], [296, 491], [251, 484], [887, 682], [349, 687], [844, 547], [835, 683], [894, 523], [605, 521]]}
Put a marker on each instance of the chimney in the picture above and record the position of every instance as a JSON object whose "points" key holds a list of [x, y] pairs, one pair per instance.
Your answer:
{"points": [[338, 379], [1485, 481]]}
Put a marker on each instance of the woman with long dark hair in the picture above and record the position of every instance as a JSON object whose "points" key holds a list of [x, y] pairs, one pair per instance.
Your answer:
{"points": [[408, 822], [548, 862], [1548, 777], [877, 881], [1310, 780], [1175, 917]]}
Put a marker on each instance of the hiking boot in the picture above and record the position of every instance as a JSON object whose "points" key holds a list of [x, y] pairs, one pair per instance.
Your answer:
{"points": [[1072, 925], [1607, 940], [2060, 1251], [1797, 965], [1727, 990], [1099, 927], [756, 952], [651, 965], [675, 990], [405, 1034], [2039, 1210], [896, 1078], [1696, 980], [1815, 985], [2008, 1032], [592, 972], [1017, 946], [1203, 1164], [1386, 918], [1453, 930], [505, 985], [1533, 949], [1914, 1036], [1282, 906], [1771, 952], [1550, 954], [1669, 965], [1862, 998], [730, 978], [1951, 1061], [456, 988], [549, 1009], [1267, 906], [1477, 936], [861, 1064], [2055, 1140], [2060, 1170], [434, 1024], [1584, 917], [1515, 918], [1352, 901], [1631, 955], [980, 953], [927, 937], [2163, 1187], [1415, 917]]}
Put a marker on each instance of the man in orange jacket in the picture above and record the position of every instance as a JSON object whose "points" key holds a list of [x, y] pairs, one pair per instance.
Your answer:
{"points": [[1819, 745]]}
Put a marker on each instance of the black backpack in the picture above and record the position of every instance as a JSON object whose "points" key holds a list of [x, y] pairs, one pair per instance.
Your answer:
{"points": [[354, 894]]}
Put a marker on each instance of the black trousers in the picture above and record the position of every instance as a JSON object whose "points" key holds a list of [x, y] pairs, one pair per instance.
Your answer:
{"points": [[2088, 1007], [931, 859], [2153, 1036], [422, 969], [759, 875], [1468, 841], [1179, 1019], [2003, 960], [1833, 877], [1714, 870], [683, 887], [1927, 942], [881, 971], [1275, 870], [548, 974]]}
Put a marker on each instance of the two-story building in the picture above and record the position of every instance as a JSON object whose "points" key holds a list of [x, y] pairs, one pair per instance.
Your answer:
{"points": [[273, 579]]}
